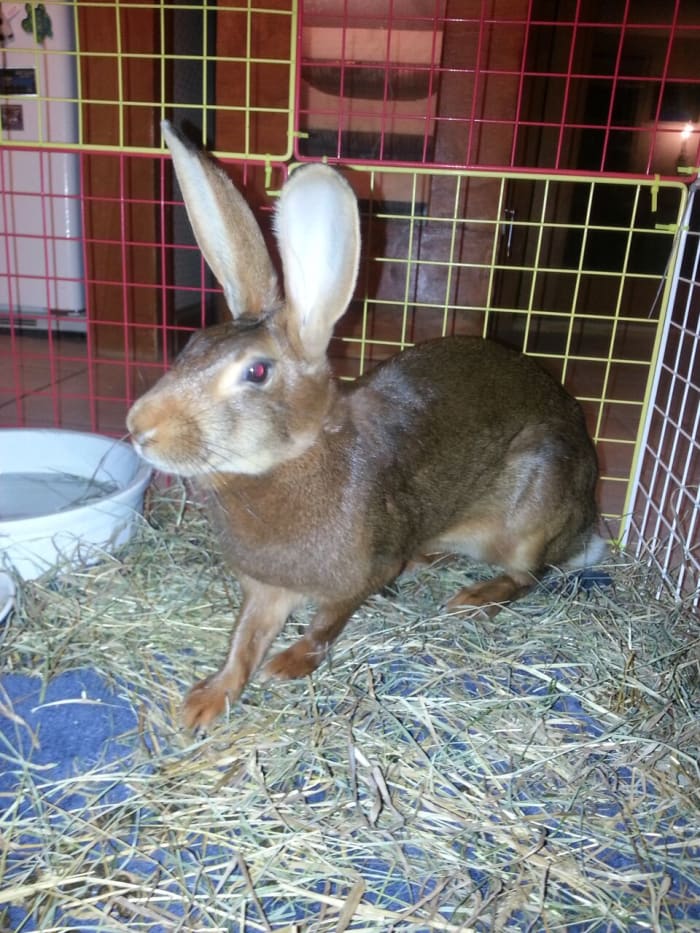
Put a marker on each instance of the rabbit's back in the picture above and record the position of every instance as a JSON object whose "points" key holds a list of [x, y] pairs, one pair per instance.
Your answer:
{"points": [[484, 385], [453, 411], [475, 427]]}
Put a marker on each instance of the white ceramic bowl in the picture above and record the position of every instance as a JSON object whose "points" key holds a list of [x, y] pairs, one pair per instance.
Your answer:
{"points": [[66, 497], [7, 594]]}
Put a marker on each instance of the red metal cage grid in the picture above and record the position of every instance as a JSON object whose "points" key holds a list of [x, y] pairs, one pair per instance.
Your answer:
{"points": [[580, 85]]}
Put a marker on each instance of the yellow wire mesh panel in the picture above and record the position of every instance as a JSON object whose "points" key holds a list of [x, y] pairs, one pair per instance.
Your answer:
{"points": [[103, 74], [572, 270]]}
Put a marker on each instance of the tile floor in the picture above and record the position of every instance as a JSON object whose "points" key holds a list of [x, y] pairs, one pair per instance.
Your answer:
{"points": [[55, 382]]}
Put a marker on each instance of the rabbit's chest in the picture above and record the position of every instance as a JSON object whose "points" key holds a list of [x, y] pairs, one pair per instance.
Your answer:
{"points": [[292, 535]]}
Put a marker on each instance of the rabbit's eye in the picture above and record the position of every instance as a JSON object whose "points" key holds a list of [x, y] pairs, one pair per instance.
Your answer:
{"points": [[257, 372]]}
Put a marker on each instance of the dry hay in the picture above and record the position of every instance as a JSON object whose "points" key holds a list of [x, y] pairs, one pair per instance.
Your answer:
{"points": [[534, 772]]}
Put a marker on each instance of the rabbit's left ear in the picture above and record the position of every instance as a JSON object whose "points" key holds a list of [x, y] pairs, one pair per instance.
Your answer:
{"points": [[318, 231], [225, 229]]}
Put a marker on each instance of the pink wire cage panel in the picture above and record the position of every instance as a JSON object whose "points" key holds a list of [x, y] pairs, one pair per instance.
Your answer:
{"points": [[573, 85]]}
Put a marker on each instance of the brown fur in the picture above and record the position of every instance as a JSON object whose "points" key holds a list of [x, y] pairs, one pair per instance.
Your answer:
{"points": [[323, 491]]}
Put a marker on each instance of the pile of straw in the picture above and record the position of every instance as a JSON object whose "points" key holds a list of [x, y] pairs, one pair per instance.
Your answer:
{"points": [[538, 771]]}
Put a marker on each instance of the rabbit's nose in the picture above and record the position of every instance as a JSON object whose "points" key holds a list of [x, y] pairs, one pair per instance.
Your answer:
{"points": [[141, 439]]}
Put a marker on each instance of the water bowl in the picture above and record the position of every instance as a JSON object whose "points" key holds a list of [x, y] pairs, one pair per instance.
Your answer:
{"points": [[66, 498]]}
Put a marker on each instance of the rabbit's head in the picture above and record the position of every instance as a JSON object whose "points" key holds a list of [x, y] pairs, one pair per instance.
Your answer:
{"points": [[249, 394]]}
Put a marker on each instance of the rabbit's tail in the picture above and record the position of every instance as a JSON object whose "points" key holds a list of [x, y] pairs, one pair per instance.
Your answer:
{"points": [[593, 552]]}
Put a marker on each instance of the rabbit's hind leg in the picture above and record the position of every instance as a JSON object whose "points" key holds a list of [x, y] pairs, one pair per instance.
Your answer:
{"points": [[505, 544], [489, 596]]}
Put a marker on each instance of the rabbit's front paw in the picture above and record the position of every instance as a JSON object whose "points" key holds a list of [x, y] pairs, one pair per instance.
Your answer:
{"points": [[204, 702], [300, 659]]}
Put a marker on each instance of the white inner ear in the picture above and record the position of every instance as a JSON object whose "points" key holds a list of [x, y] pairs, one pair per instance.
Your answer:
{"points": [[319, 241], [315, 233]]}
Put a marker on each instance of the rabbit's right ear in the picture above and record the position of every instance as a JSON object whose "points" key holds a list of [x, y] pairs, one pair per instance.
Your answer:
{"points": [[318, 232], [225, 229]]}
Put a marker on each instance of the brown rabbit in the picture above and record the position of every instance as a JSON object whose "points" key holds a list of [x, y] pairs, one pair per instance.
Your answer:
{"points": [[322, 491]]}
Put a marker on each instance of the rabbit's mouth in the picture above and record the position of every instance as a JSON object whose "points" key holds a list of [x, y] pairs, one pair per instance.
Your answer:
{"points": [[157, 438], [144, 443]]}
